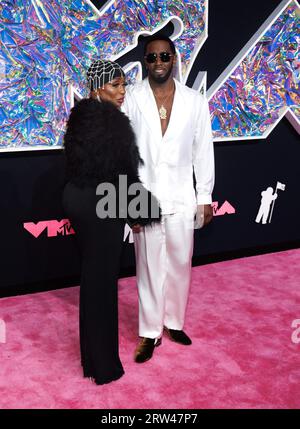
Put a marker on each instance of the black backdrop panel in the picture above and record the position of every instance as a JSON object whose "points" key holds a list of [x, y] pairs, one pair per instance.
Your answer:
{"points": [[31, 183], [244, 170]]}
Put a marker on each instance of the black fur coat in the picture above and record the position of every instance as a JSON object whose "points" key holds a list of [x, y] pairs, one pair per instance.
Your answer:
{"points": [[99, 146]]}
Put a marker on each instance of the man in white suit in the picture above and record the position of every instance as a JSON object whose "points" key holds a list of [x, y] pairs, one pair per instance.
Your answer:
{"points": [[173, 129]]}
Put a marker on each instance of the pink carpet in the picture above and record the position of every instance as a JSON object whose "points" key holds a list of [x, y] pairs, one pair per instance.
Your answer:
{"points": [[239, 317]]}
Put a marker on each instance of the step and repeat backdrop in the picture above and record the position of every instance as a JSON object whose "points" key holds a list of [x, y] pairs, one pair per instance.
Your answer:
{"points": [[243, 55]]}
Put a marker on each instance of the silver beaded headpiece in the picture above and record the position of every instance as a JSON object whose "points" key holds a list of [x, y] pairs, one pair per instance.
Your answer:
{"points": [[101, 72]]}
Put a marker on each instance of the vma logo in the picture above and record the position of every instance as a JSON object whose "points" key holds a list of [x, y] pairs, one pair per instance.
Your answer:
{"points": [[226, 208], [53, 227]]}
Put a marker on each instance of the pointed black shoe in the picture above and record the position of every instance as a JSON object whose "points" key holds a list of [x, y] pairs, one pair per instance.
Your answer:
{"points": [[144, 350], [178, 336]]}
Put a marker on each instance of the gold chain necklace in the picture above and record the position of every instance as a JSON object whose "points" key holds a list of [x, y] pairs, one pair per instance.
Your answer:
{"points": [[162, 110]]}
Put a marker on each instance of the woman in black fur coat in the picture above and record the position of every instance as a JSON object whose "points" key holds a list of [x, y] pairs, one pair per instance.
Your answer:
{"points": [[99, 146]]}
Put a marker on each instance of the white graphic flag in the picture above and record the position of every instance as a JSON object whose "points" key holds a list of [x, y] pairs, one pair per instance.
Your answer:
{"points": [[280, 186]]}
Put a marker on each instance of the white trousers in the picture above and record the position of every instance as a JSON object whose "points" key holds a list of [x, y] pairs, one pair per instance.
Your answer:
{"points": [[163, 268]]}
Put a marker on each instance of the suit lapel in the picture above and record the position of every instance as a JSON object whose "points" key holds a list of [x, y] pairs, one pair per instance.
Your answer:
{"points": [[160, 145], [147, 106]]}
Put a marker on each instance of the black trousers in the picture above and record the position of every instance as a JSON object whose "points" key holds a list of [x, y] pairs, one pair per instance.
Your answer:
{"points": [[100, 242]]}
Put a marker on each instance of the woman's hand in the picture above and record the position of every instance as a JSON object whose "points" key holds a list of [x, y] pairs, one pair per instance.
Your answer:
{"points": [[136, 228]]}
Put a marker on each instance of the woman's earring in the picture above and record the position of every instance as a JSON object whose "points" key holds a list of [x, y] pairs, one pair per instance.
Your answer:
{"points": [[98, 98]]}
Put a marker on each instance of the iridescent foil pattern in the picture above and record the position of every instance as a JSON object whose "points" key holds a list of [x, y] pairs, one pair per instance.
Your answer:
{"points": [[133, 74], [127, 19], [264, 85], [45, 47]]}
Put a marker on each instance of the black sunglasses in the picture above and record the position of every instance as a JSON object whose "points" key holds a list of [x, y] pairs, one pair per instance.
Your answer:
{"points": [[164, 56]]}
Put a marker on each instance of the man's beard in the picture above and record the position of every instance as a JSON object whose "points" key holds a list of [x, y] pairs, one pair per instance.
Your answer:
{"points": [[162, 79]]}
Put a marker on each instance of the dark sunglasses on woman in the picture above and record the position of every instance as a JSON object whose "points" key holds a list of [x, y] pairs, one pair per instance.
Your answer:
{"points": [[164, 56]]}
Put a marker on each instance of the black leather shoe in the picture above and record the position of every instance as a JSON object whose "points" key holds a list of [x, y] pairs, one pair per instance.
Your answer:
{"points": [[178, 336], [144, 350]]}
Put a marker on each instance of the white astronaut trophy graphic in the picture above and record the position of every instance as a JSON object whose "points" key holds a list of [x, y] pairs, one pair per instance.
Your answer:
{"points": [[268, 198]]}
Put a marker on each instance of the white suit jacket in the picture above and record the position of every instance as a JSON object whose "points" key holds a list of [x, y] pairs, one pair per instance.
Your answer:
{"points": [[187, 145]]}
